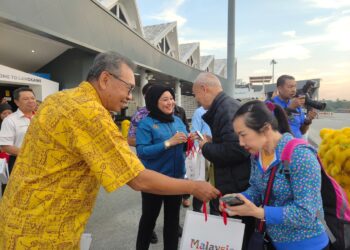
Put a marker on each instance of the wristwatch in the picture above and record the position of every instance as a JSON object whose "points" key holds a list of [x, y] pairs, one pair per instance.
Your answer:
{"points": [[167, 144]]}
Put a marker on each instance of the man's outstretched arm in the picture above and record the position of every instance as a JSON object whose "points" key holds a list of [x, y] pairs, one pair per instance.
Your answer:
{"points": [[156, 183]]}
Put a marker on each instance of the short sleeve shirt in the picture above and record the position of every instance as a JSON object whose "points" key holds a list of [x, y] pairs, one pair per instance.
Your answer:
{"points": [[13, 129], [71, 147]]}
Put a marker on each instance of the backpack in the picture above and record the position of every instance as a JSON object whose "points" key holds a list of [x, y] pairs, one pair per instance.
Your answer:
{"points": [[335, 204]]}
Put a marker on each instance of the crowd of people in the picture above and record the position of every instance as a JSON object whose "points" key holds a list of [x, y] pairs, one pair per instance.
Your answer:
{"points": [[72, 146]]}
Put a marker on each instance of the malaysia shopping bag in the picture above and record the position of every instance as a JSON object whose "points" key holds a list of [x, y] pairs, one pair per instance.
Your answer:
{"points": [[4, 172], [212, 233]]}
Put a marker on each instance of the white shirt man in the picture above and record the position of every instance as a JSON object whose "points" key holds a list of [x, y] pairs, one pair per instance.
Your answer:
{"points": [[13, 129], [15, 126]]}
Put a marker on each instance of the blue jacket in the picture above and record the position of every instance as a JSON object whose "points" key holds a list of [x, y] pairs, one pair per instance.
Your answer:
{"points": [[291, 214], [150, 137]]}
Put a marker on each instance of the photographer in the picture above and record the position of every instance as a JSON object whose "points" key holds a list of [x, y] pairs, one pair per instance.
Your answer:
{"points": [[293, 104]]}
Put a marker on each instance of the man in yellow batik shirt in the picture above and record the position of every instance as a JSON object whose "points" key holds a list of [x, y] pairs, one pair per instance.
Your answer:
{"points": [[71, 147]]}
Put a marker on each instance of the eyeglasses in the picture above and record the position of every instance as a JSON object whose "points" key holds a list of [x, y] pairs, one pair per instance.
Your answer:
{"points": [[130, 86]]}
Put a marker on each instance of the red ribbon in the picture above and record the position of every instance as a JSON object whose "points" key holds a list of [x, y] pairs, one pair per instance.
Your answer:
{"points": [[191, 148], [223, 213]]}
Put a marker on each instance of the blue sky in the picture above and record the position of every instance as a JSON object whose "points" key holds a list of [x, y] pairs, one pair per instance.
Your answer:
{"points": [[307, 38]]}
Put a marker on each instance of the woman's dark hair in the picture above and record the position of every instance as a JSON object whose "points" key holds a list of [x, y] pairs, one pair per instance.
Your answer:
{"points": [[257, 113]]}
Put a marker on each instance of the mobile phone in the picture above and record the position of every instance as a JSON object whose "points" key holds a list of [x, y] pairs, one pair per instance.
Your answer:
{"points": [[232, 200], [200, 135]]}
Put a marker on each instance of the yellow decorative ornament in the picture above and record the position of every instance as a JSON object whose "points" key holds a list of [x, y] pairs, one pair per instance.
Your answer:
{"points": [[334, 152]]}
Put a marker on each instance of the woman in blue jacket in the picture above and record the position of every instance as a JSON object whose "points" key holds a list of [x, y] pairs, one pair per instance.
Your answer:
{"points": [[160, 139], [291, 218]]}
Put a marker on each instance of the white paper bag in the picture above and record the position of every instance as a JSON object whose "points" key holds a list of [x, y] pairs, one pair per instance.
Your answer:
{"points": [[4, 171], [195, 166], [85, 241], [211, 234]]}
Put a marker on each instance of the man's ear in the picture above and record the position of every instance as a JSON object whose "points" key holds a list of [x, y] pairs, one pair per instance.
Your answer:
{"points": [[103, 80], [204, 88], [16, 102]]}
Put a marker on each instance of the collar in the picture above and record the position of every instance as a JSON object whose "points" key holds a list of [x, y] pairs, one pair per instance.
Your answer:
{"points": [[279, 99], [90, 90], [286, 137], [214, 106], [20, 114], [276, 160]]}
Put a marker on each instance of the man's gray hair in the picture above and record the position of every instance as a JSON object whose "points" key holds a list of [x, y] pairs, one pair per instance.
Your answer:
{"points": [[108, 61], [207, 78]]}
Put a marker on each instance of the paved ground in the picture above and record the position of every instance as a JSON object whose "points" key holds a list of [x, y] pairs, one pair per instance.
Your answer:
{"points": [[337, 121], [114, 221]]}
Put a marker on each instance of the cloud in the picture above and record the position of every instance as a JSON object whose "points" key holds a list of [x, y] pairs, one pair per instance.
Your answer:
{"points": [[339, 32], [329, 4], [319, 20], [169, 13], [290, 33], [342, 65], [284, 51], [335, 34]]}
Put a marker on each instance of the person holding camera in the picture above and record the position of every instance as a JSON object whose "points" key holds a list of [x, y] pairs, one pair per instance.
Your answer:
{"points": [[293, 104]]}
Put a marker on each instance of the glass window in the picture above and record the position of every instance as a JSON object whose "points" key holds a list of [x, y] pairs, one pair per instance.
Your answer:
{"points": [[114, 10], [122, 16]]}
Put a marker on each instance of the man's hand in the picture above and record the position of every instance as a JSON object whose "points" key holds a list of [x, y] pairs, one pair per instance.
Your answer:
{"points": [[11, 150], [296, 102], [202, 142], [204, 191], [208, 138], [311, 114], [152, 182]]}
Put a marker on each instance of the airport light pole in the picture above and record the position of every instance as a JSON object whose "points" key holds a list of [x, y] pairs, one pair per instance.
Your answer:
{"points": [[273, 62], [231, 69]]}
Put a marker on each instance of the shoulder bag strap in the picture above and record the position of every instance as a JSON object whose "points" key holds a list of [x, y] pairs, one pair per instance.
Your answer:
{"points": [[268, 190]]}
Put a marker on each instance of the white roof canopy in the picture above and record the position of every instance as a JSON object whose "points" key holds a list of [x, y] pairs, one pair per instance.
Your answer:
{"points": [[42, 87]]}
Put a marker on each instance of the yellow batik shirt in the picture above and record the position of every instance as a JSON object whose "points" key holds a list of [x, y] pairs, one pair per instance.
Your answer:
{"points": [[71, 147]]}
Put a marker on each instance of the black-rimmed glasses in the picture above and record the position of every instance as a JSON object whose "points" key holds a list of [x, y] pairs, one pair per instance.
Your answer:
{"points": [[130, 86]]}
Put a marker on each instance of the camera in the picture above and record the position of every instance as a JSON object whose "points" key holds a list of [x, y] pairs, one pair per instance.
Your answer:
{"points": [[314, 104], [306, 91]]}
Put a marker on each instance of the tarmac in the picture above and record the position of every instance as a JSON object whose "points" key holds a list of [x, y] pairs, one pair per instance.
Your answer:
{"points": [[114, 222]]}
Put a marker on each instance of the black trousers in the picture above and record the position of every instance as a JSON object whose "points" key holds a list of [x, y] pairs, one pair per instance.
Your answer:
{"points": [[11, 163], [197, 204], [151, 205]]}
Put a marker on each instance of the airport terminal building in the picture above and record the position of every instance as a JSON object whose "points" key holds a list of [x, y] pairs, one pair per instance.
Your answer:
{"points": [[50, 45]]}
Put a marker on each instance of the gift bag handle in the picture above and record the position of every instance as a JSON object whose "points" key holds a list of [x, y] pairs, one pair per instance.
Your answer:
{"points": [[223, 213]]}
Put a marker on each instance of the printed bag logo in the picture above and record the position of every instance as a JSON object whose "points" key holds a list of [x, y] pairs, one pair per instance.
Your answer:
{"points": [[206, 245]]}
